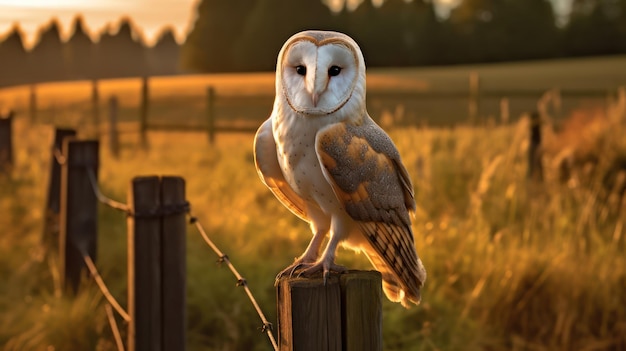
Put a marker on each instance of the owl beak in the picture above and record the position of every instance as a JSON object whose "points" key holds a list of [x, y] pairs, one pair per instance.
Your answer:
{"points": [[315, 98]]}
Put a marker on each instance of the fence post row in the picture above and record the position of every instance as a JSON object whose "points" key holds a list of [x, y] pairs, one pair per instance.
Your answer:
{"points": [[6, 141], [79, 205], [143, 111], [53, 203], [343, 314], [210, 113], [474, 98], [114, 140], [156, 264], [32, 103], [535, 166]]}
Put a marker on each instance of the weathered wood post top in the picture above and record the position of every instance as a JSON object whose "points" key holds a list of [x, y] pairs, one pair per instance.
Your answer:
{"points": [[343, 314]]}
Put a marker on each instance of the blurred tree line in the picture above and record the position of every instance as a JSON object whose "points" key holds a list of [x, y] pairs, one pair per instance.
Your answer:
{"points": [[122, 54], [244, 35]]}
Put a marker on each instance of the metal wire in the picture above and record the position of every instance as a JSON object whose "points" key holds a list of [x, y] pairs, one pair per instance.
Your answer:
{"points": [[267, 326], [105, 200], [103, 288], [114, 329], [58, 155]]}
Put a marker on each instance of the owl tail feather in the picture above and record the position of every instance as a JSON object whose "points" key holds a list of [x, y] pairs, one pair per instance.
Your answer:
{"points": [[394, 289]]}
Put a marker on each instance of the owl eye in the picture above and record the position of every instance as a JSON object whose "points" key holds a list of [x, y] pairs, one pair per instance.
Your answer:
{"points": [[301, 70], [334, 71]]}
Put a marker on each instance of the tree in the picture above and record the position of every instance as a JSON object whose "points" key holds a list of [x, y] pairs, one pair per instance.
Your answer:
{"points": [[14, 59], [122, 54], [78, 52], [270, 24], [47, 61], [531, 29], [164, 57], [596, 27], [499, 30], [209, 47]]}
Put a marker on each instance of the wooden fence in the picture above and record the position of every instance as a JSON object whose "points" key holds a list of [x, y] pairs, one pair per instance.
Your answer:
{"points": [[6, 141], [156, 217], [343, 314], [227, 113]]}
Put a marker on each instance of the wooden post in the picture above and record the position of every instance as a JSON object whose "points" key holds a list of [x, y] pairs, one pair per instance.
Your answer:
{"points": [[6, 142], [53, 203], [143, 112], [157, 264], [362, 310], [32, 104], [95, 105], [210, 113], [535, 167], [474, 98], [79, 205], [114, 144], [173, 262], [504, 111], [344, 314], [144, 275]]}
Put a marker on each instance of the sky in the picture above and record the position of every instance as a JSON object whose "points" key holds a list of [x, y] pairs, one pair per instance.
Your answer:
{"points": [[151, 16]]}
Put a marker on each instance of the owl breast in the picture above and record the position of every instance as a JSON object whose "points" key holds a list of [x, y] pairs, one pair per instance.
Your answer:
{"points": [[295, 139]]}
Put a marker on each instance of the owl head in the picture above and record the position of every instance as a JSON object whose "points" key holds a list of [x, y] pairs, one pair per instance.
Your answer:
{"points": [[320, 72]]}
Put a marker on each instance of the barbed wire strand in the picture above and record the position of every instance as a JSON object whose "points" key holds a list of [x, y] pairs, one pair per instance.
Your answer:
{"points": [[267, 326], [114, 329], [105, 200], [103, 288], [58, 155]]}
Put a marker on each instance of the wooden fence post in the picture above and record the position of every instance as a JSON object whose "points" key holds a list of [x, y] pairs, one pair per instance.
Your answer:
{"points": [[535, 166], [143, 111], [32, 103], [173, 262], [210, 113], [6, 141], [114, 143], [157, 264], [95, 104], [504, 111], [53, 203], [344, 314], [144, 276], [79, 207]]}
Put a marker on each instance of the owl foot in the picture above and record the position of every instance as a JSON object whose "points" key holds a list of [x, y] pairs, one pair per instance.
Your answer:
{"points": [[291, 269], [324, 267]]}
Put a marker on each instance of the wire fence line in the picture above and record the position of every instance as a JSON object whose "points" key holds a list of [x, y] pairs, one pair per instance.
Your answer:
{"points": [[103, 288], [113, 304], [58, 155], [114, 329], [241, 281], [103, 199]]}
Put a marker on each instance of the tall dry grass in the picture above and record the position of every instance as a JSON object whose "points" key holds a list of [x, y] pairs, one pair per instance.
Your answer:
{"points": [[512, 265]]}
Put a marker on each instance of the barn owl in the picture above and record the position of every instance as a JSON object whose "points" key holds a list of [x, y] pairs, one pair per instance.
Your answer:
{"points": [[328, 162]]}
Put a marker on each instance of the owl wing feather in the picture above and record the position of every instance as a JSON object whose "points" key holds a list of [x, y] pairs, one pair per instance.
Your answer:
{"points": [[364, 168], [267, 166]]}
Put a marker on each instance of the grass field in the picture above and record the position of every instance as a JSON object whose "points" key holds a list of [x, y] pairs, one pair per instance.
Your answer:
{"points": [[513, 265]]}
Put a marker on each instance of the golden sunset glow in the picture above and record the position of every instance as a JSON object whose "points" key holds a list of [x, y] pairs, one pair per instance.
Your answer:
{"points": [[150, 16]]}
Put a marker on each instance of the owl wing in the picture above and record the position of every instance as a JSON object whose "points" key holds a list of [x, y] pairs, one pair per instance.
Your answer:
{"points": [[267, 166], [364, 168]]}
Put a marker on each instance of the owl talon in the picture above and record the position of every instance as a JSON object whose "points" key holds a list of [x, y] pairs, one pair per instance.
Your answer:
{"points": [[324, 268], [291, 270]]}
